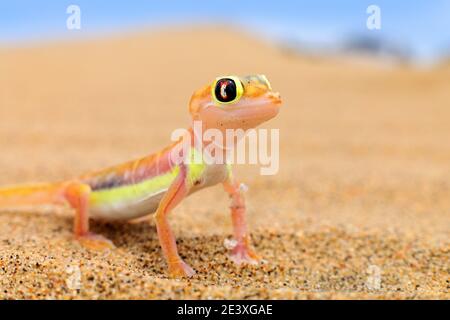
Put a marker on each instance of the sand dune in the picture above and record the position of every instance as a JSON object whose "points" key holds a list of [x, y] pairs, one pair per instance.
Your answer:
{"points": [[364, 179]]}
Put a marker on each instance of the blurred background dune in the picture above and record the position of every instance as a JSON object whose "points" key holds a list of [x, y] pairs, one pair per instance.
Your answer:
{"points": [[364, 166]]}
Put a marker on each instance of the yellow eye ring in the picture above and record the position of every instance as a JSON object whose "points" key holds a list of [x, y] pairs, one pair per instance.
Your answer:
{"points": [[227, 90]]}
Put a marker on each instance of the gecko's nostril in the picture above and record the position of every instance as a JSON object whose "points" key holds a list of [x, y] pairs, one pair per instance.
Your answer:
{"points": [[276, 97]]}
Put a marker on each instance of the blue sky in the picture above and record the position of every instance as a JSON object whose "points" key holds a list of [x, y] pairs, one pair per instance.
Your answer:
{"points": [[423, 26]]}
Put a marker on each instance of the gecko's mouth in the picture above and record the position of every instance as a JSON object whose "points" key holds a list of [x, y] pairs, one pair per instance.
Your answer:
{"points": [[251, 116]]}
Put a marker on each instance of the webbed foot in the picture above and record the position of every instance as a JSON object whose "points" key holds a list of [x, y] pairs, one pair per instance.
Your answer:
{"points": [[95, 242], [241, 254], [180, 269]]}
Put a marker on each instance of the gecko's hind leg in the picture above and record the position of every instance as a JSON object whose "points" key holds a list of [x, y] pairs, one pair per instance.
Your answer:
{"points": [[77, 194]]}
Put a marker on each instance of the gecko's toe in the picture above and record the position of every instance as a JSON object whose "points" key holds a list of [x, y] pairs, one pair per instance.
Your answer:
{"points": [[95, 242], [180, 270]]}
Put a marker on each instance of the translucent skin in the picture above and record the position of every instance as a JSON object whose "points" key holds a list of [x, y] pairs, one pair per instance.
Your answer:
{"points": [[154, 182]]}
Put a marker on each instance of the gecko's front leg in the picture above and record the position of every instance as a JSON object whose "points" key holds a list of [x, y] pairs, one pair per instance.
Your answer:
{"points": [[176, 192], [243, 251]]}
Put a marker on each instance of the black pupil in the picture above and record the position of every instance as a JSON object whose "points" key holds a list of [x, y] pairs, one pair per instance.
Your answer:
{"points": [[225, 90]]}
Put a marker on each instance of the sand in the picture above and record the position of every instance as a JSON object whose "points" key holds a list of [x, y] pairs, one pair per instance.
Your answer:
{"points": [[359, 209]]}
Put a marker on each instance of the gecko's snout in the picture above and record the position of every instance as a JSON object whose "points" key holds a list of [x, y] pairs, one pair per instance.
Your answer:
{"points": [[275, 97]]}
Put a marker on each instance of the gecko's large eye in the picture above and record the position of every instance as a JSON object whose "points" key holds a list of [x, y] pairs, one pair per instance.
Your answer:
{"points": [[227, 90]]}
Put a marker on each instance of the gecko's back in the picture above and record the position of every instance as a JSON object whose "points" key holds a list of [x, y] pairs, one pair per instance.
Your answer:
{"points": [[135, 188], [131, 189]]}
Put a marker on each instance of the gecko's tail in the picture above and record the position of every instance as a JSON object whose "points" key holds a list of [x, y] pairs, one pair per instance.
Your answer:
{"points": [[30, 195]]}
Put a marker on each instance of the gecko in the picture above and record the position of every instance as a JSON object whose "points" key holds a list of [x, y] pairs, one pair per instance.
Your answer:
{"points": [[155, 184]]}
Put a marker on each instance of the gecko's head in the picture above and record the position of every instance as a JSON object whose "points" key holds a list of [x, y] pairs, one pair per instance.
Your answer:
{"points": [[232, 102]]}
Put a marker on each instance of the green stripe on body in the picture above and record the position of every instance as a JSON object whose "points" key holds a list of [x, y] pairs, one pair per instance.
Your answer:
{"points": [[196, 166], [134, 191], [147, 187]]}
